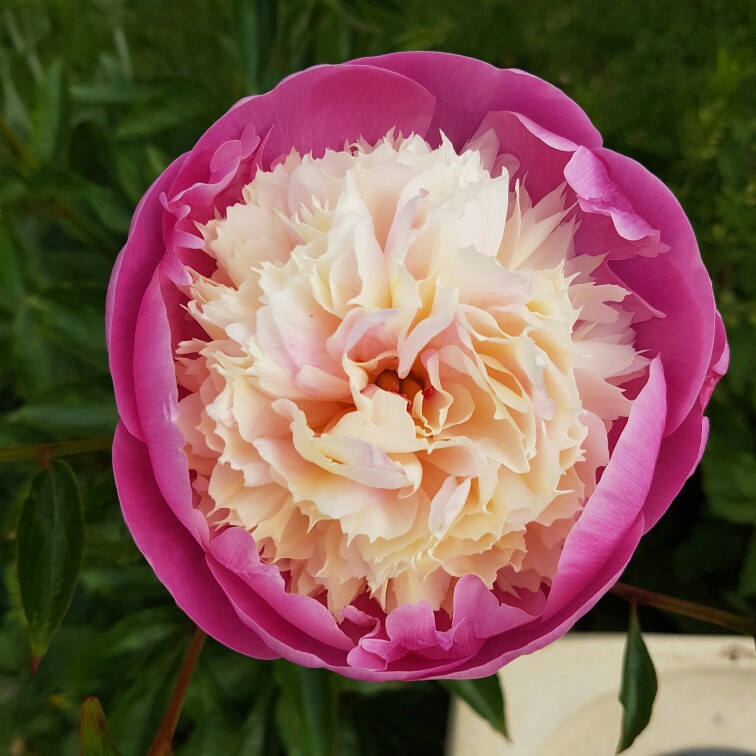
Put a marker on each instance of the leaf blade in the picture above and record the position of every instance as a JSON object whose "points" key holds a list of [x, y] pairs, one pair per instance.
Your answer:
{"points": [[50, 548], [255, 732], [307, 710], [747, 579], [638, 687], [50, 118], [96, 738], [485, 697]]}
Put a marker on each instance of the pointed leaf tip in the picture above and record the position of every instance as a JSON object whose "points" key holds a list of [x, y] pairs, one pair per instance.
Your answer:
{"points": [[485, 696], [96, 739]]}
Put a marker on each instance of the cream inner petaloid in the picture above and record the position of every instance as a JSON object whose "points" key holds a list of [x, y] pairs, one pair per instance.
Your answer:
{"points": [[407, 374]]}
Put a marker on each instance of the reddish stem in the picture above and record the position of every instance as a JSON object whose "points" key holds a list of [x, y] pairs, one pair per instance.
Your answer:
{"points": [[161, 745], [44, 452], [730, 620]]}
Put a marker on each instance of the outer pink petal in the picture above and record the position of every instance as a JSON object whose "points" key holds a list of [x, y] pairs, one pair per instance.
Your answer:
{"points": [[682, 451], [304, 622], [287, 640], [232, 166], [676, 283], [466, 90], [611, 511], [177, 559], [720, 361], [128, 282], [679, 457], [157, 403], [322, 107]]}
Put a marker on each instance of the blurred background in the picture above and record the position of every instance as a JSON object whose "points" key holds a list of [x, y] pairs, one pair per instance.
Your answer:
{"points": [[96, 98]]}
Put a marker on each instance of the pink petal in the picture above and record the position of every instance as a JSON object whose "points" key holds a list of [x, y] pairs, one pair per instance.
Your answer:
{"points": [[232, 165], [322, 107], [679, 287], [614, 507], [299, 627], [681, 452], [128, 282], [720, 361], [679, 456], [177, 559], [466, 90], [596, 193], [499, 651], [156, 397], [542, 155]]}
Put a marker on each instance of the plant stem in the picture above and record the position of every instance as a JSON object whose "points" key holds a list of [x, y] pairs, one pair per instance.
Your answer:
{"points": [[41, 452], [730, 620], [27, 160], [161, 745]]}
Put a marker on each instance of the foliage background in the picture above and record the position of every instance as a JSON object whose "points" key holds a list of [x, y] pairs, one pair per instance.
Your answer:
{"points": [[97, 96]]}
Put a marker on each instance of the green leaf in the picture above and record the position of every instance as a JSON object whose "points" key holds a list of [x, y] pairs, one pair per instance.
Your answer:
{"points": [[331, 38], [113, 92], [730, 483], [50, 547], [747, 582], [729, 465], [139, 631], [638, 687], [70, 319], [12, 283], [37, 365], [370, 689], [307, 711], [13, 108], [96, 739], [68, 412], [139, 706], [254, 739], [247, 42], [174, 107], [485, 697], [11, 190], [50, 117]]}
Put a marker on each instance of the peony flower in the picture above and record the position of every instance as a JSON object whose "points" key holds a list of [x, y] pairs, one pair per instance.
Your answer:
{"points": [[407, 363]]}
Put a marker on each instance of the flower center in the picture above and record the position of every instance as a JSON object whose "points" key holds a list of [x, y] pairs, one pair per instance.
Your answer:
{"points": [[407, 387], [407, 374]]}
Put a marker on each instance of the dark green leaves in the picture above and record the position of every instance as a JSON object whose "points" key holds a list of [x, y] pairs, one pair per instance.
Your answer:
{"points": [[747, 585], [50, 118], [730, 461], [307, 711], [484, 696], [254, 732], [50, 547], [638, 688], [96, 739]]}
